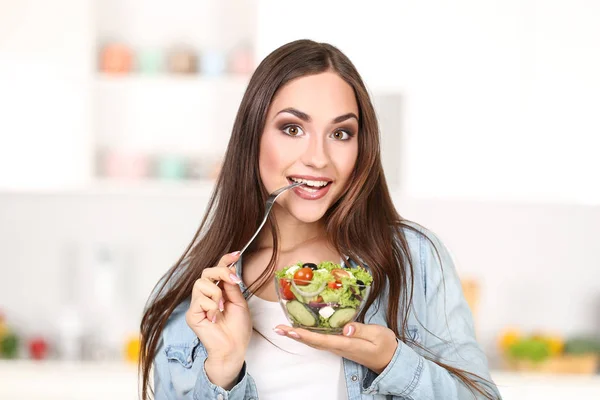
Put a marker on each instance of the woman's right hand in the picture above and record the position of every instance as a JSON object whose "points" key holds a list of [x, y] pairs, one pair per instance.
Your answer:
{"points": [[221, 320]]}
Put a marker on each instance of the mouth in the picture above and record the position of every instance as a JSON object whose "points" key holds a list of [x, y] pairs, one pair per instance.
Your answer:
{"points": [[312, 188]]}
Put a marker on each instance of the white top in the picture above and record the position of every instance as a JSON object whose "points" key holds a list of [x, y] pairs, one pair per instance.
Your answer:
{"points": [[285, 369]]}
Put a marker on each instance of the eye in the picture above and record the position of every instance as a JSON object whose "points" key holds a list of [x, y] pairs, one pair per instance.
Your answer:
{"points": [[293, 130], [341, 135]]}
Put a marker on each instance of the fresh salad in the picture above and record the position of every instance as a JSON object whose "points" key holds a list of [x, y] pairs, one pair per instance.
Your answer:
{"points": [[323, 297]]}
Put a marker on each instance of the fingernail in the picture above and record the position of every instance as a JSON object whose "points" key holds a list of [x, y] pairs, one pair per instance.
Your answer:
{"points": [[279, 331], [221, 305], [234, 278], [294, 335], [236, 253], [214, 319], [350, 331]]}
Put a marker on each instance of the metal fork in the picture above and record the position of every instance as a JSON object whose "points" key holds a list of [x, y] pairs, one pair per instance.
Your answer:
{"points": [[268, 206]]}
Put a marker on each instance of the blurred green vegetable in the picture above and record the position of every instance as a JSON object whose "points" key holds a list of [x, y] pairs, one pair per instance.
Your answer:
{"points": [[530, 349], [9, 346], [583, 345]]}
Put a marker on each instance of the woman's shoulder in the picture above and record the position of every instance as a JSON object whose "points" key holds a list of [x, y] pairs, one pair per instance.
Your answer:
{"points": [[176, 330], [418, 238], [431, 259]]}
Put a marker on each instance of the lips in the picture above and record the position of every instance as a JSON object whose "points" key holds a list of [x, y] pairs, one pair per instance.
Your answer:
{"points": [[313, 188]]}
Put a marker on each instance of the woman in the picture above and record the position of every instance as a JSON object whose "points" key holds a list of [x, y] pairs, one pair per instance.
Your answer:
{"points": [[306, 116]]}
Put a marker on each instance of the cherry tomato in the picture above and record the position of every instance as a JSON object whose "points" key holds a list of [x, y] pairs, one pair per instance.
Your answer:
{"points": [[334, 285], [339, 273], [319, 299], [286, 290], [303, 276]]}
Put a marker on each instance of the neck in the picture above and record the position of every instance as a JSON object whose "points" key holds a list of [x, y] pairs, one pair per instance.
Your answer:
{"points": [[292, 233]]}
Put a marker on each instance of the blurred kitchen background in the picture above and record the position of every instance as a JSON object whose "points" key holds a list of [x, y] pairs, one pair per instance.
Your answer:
{"points": [[114, 116]]}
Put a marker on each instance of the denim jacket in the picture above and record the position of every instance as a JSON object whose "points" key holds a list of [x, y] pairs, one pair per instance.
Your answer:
{"points": [[440, 320]]}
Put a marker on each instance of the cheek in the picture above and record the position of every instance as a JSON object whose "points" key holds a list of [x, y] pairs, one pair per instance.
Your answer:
{"points": [[346, 160], [274, 156], [268, 157]]}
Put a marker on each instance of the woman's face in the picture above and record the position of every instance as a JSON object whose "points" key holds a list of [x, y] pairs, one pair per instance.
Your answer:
{"points": [[310, 136]]}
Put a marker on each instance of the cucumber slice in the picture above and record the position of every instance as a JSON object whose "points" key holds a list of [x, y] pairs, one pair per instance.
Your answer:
{"points": [[341, 317], [304, 315]]}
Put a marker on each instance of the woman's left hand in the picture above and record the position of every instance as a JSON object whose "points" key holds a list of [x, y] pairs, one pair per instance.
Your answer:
{"points": [[370, 345]]}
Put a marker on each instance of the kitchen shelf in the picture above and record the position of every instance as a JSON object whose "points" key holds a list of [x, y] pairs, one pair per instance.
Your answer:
{"points": [[159, 113]]}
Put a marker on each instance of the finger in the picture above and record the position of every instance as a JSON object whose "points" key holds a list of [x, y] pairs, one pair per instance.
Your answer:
{"points": [[284, 330], [228, 259], [197, 313], [233, 293], [369, 332], [208, 306], [208, 289], [317, 340], [221, 273], [194, 318]]}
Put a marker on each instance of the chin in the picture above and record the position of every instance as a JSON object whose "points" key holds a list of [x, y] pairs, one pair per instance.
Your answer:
{"points": [[307, 214]]}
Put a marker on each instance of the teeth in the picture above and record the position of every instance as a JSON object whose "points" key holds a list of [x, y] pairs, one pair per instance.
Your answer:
{"points": [[310, 183]]}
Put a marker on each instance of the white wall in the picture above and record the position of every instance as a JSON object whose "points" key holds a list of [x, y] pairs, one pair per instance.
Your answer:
{"points": [[500, 96], [45, 80]]}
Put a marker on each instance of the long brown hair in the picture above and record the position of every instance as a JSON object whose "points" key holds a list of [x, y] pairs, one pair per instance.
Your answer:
{"points": [[363, 224]]}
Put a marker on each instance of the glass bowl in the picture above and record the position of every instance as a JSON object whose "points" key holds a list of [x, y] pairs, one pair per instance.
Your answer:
{"points": [[303, 304]]}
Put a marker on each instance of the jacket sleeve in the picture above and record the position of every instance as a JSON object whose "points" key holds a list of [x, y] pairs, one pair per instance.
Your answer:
{"points": [[168, 387], [173, 381], [451, 339]]}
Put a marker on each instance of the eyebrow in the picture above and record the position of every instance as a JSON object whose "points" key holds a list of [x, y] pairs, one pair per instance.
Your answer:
{"points": [[305, 117]]}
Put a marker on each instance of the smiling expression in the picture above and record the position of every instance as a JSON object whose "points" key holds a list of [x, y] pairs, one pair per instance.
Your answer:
{"points": [[310, 136]]}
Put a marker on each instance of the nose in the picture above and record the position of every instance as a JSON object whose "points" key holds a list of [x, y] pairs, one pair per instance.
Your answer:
{"points": [[315, 154]]}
